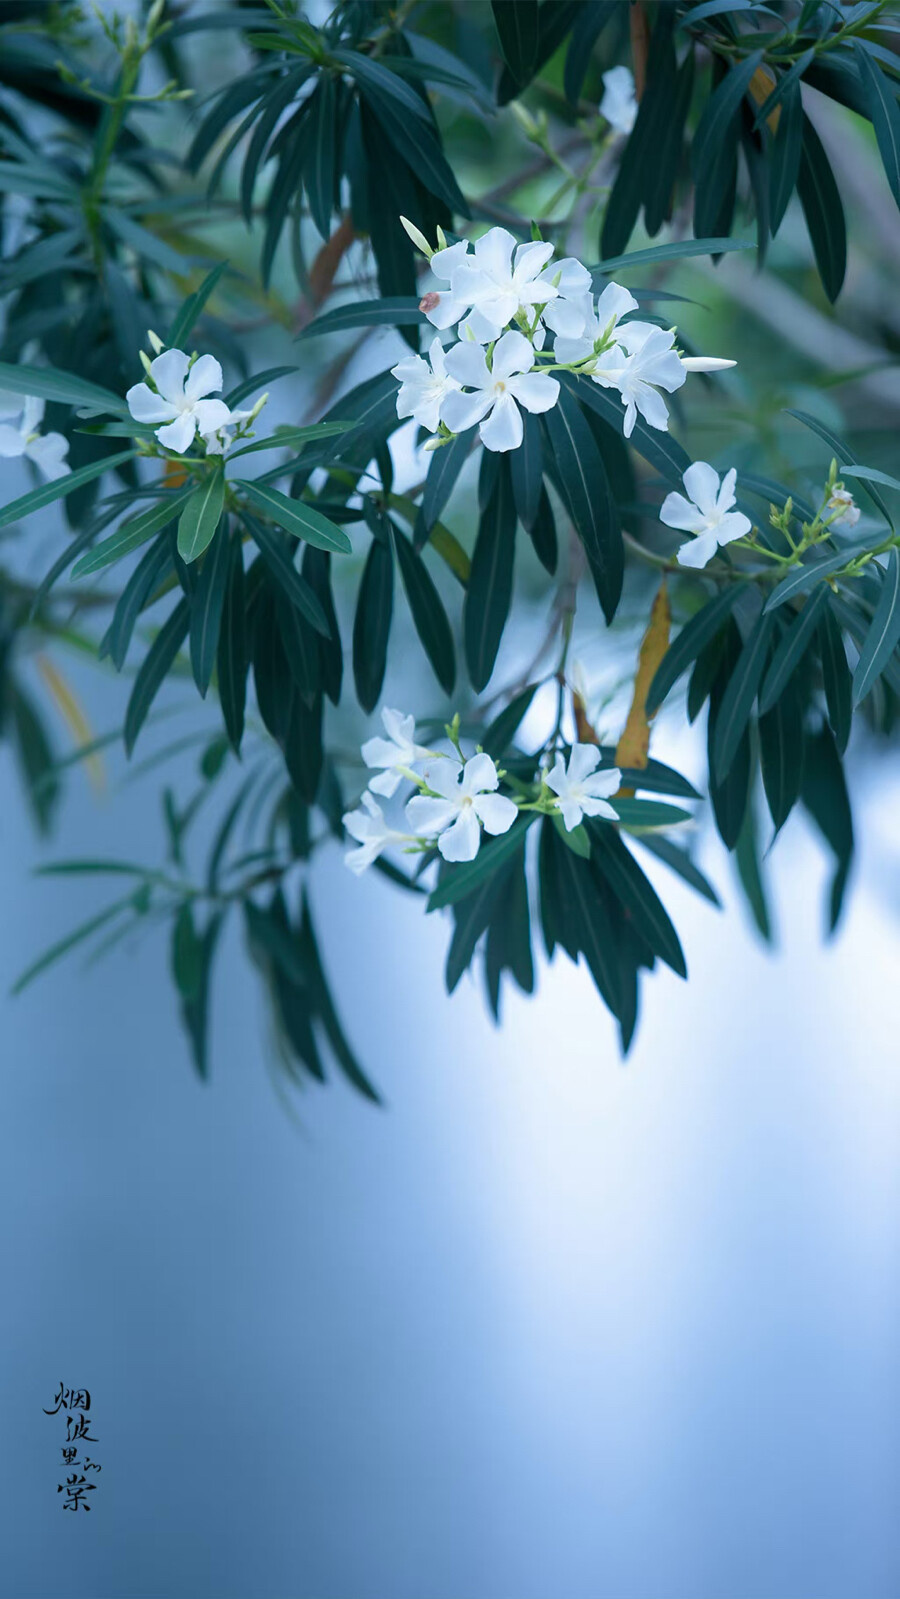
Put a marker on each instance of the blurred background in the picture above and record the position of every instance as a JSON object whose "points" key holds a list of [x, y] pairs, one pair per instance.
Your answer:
{"points": [[546, 1324]]}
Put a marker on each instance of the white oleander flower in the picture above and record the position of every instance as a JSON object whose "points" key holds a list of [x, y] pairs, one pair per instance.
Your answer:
{"points": [[424, 386], [619, 106], [578, 793], [842, 501], [498, 392], [369, 826], [707, 513], [642, 362], [46, 450], [465, 803], [497, 281], [599, 323], [180, 399], [566, 314], [396, 755], [221, 438]]}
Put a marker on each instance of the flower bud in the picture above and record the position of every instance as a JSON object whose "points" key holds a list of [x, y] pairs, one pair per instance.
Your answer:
{"points": [[155, 342], [418, 238]]}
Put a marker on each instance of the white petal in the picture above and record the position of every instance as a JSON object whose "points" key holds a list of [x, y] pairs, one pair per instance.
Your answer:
{"points": [[652, 407], [359, 859], [571, 813], [602, 784], [178, 435], [574, 279], [682, 514], [568, 319], [512, 353], [466, 363], [461, 841], [599, 807], [482, 330], [33, 413], [10, 404], [479, 775], [583, 759], [705, 363], [48, 452], [379, 752], [725, 496], [503, 430], [443, 776], [427, 816], [614, 303], [462, 411], [205, 377], [399, 727], [698, 551], [447, 312], [386, 783], [168, 372], [630, 418], [493, 252], [211, 414], [12, 441], [556, 777], [145, 406], [702, 484], [413, 370], [530, 259], [495, 812], [536, 391], [568, 351], [444, 262], [734, 525]]}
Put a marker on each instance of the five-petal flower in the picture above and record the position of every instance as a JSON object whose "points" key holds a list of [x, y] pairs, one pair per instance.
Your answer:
{"points": [[578, 792], [46, 450], [707, 513], [396, 754], [424, 386], [369, 826], [462, 802], [179, 399], [498, 391], [649, 363]]}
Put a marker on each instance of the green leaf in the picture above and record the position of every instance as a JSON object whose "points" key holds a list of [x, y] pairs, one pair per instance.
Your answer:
{"points": [[588, 928], [527, 468], [251, 385], [823, 210], [671, 252], [781, 753], [678, 860], [372, 624], [499, 733], [490, 584], [575, 839], [316, 569], [296, 517], [637, 813], [65, 387], [661, 172], [465, 878], [807, 573], [132, 534], [824, 795], [397, 311], [473, 915], [714, 150], [201, 516], [231, 659], [787, 146], [738, 697], [320, 165], [183, 326], [139, 591], [292, 438], [730, 797], [414, 140], [154, 669], [884, 633], [71, 940], [881, 98], [279, 559], [651, 133], [207, 605], [342, 1051], [616, 863], [443, 471], [837, 679], [428, 612], [60, 487], [543, 534], [584, 488], [750, 874], [792, 648], [870, 474], [660, 449], [687, 646], [517, 27]]}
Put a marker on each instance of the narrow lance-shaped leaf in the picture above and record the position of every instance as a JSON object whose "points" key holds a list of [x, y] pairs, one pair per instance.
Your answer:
{"points": [[60, 487], [824, 212], [884, 633], [737, 699], [465, 878], [490, 583], [132, 534], [201, 515], [372, 624], [206, 609], [693, 636], [586, 494], [428, 613], [296, 517], [881, 98], [154, 669], [792, 648], [232, 649]]}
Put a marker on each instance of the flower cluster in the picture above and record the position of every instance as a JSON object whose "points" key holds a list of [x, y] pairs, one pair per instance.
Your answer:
{"points": [[21, 416], [506, 301], [457, 796], [177, 395]]}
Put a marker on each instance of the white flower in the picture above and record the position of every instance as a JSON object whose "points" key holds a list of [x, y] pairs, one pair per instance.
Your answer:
{"points": [[498, 392], [220, 438], [370, 828], [579, 794], [619, 106], [566, 314], [842, 501], [179, 399], [643, 361], [598, 324], [707, 513], [46, 450], [494, 284], [441, 307], [467, 802], [423, 386], [396, 754]]}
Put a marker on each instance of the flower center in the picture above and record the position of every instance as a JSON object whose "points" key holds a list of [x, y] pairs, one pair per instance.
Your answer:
{"points": [[500, 386]]}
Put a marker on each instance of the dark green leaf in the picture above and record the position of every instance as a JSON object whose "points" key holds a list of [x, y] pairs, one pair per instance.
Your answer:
{"points": [[884, 633], [428, 612], [60, 487], [616, 863], [397, 311], [443, 471], [687, 646], [737, 700], [499, 733], [142, 585], [65, 387], [781, 752], [881, 98], [714, 150], [749, 869], [279, 560], [784, 161], [320, 165], [154, 669], [206, 609], [584, 488], [823, 210], [517, 27], [465, 878], [679, 861], [792, 648], [372, 624], [825, 796], [132, 534], [837, 679], [201, 516], [231, 658], [342, 1051], [490, 584], [296, 517], [527, 468]]}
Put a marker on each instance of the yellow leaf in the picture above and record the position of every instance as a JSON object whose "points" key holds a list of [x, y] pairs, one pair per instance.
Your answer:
{"points": [[75, 718], [761, 85], [633, 748]]}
